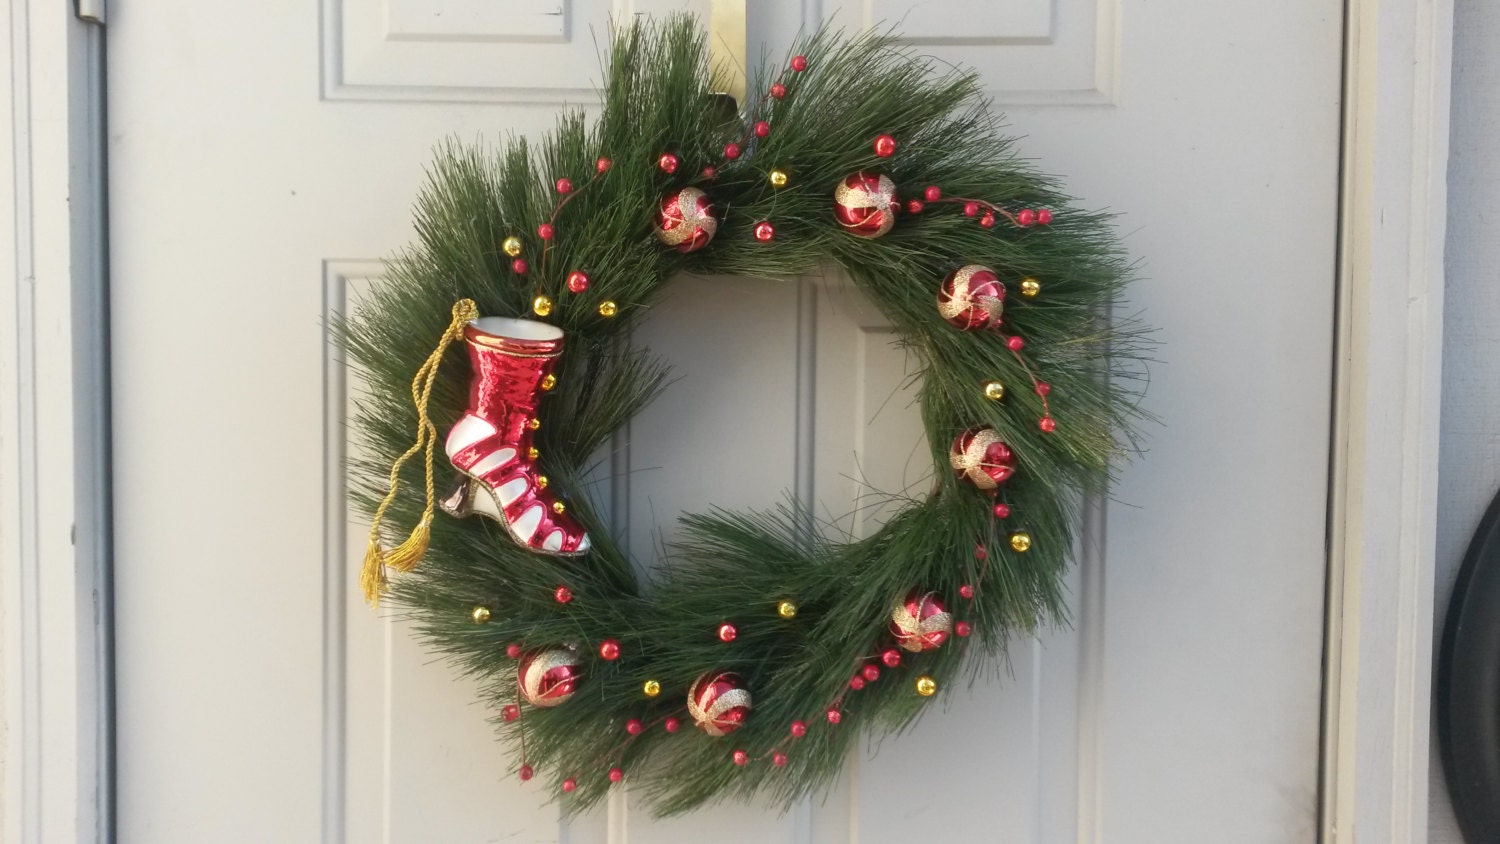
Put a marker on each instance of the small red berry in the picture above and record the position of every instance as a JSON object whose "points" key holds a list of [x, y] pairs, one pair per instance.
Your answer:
{"points": [[933, 193], [778, 759], [1002, 510], [578, 281], [885, 146], [570, 785], [835, 716], [1048, 424], [513, 650], [741, 758], [1015, 344], [731, 151], [563, 595], [762, 128], [671, 725], [727, 632], [1043, 217], [1043, 388], [667, 162], [799, 728], [564, 185], [778, 90], [871, 672], [615, 775], [971, 209], [635, 727], [966, 591], [602, 165], [980, 552], [609, 649], [527, 772], [799, 63], [544, 231], [856, 682], [764, 231], [511, 712], [1026, 217], [709, 172], [988, 220], [961, 628], [914, 206], [518, 266], [891, 657]]}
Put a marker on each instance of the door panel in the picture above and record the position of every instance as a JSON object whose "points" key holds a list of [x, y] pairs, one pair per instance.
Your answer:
{"points": [[260, 168]]}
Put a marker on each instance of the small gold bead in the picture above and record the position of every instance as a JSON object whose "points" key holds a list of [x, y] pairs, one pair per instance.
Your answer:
{"points": [[778, 178], [559, 508], [786, 609], [542, 305], [533, 423], [1030, 287], [608, 308], [994, 390], [512, 246], [533, 452], [1020, 541], [481, 615], [652, 688], [926, 686], [541, 481], [549, 382]]}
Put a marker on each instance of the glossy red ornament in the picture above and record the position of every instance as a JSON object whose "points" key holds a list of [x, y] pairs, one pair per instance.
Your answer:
{"points": [[667, 162], [762, 128], [671, 725], [778, 759], [544, 231], [718, 702], [933, 193], [1002, 510], [966, 591], [980, 457], [685, 220], [972, 298], [778, 90], [1025, 217], [1047, 424], [914, 206], [961, 629], [570, 785], [564, 185], [741, 758], [513, 650], [799, 63], [602, 165], [609, 649], [764, 231], [547, 678], [885, 146], [971, 209], [615, 775], [731, 151], [988, 220], [562, 595], [857, 682], [865, 204], [727, 632], [510, 712], [527, 772], [799, 729], [891, 657], [635, 727], [920, 622], [871, 672], [1015, 344], [835, 716], [519, 266], [578, 281], [1043, 217]]}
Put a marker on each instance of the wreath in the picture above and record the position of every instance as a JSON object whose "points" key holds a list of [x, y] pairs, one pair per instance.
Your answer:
{"points": [[751, 661]]}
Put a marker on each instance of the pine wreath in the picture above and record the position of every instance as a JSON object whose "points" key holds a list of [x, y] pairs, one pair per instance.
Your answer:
{"points": [[770, 642]]}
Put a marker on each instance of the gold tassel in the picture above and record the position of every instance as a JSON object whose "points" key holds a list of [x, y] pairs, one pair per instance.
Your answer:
{"points": [[405, 556]]}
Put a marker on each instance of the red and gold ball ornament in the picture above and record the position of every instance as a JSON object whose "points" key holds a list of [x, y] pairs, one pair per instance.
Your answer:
{"points": [[980, 457], [972, 298], [865, 204], [549, 677], [718, 702], [920, 622], [685, 220]]}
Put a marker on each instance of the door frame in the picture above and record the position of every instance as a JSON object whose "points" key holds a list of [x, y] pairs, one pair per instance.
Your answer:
{"points": [[55, 568]]}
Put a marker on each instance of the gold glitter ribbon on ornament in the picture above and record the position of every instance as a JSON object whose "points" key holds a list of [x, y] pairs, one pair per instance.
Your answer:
{"points": [[405, 556]]}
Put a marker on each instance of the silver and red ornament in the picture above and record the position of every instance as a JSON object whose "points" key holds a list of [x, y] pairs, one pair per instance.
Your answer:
{"points": [[548, 678], [972, 298], [980, 457], [920, 622], [865, 204], [718, 702], [685, 220]]}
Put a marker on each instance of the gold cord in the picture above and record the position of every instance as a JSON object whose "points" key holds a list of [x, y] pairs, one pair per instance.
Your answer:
{"points": [[404, 557]]}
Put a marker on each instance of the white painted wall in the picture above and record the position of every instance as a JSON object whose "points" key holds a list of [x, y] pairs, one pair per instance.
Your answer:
{"points": [[1469, 462]]}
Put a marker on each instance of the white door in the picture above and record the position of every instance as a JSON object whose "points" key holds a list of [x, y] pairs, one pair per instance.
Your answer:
{"points": [[263, 158]]}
